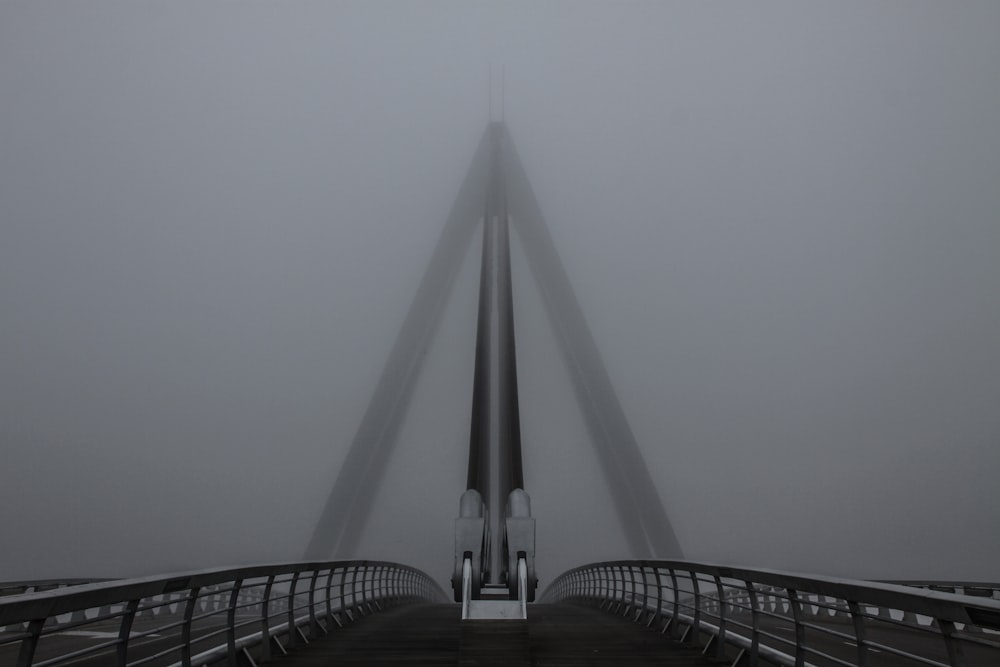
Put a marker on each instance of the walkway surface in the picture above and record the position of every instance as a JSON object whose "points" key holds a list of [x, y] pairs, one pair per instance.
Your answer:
{"points": [[556, 635]]}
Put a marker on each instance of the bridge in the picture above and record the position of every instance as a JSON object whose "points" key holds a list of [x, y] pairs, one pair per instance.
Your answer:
{"points": [[659, 609]]}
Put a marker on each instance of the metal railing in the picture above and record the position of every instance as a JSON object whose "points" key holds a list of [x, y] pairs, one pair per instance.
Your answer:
{"points": [[40, 585], [979, 589], [204, 617], [765, 616]]}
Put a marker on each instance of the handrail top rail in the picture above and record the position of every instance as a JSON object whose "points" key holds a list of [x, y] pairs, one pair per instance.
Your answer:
{"points": [[949, 606], [16, 608], [940, 582], [65, 581]]}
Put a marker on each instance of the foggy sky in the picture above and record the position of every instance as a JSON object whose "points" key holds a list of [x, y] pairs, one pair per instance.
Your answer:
{"points": [[782, 222]]}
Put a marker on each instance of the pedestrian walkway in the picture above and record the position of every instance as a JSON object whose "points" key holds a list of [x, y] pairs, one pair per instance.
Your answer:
{"points": [[554, 635]]}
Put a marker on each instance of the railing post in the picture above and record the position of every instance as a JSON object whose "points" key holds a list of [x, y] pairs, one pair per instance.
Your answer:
{"points": [[720, 639], [293, 639], [612, 584], [124, 630], [800, 631], [675, 619], [329, 607], [354, 589], [392, 576], [313, 623], [615, 589], [645, 592], [955, 654], [754, 622], [343, 592], [632, 594], [658, 614], [371, 582], [619, 587], [234, 595], [364, 598], [860, 635], [265, 620], [379, 586], [26, 654], [696, 622], [189, 608]]}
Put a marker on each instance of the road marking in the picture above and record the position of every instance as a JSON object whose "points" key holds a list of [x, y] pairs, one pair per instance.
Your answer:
{"points": [[873, 650]]}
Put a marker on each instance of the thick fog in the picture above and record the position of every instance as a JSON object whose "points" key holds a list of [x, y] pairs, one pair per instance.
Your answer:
{"points": [[782, 221]]}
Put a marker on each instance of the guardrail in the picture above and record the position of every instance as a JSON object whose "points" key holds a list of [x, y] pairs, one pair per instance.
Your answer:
{"points": [[40, 585], [754, 616], [979, 589], [200, 618]]}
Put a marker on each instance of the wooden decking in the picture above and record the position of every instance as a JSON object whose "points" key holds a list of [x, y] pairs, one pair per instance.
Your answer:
{"points": [[554, 635]]}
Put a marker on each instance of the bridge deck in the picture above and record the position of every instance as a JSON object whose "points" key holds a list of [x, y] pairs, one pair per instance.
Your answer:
{"points": [[560, 634]]}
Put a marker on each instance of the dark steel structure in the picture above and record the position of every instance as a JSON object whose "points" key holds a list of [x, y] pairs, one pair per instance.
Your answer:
{"points": [[496, 191]]}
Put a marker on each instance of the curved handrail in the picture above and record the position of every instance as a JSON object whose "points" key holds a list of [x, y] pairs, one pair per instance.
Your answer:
{"points": [[789, 618], [22, 587], [203, 616], [979, 589]]}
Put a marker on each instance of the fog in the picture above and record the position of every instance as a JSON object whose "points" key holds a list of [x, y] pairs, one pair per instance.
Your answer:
{"points": [[782, 222]]}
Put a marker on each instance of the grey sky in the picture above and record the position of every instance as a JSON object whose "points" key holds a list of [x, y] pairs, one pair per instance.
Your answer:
{"points": [[782, 221]]}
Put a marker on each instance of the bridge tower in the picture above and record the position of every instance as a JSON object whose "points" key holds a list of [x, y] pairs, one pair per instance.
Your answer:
{"points": [[495, 195]]}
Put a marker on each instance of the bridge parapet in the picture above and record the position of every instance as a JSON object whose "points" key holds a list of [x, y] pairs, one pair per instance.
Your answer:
{"points": [[202, 617], [792, 619], [979, 589]]}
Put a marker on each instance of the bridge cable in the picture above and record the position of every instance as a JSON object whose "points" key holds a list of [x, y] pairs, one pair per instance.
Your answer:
{"points": [[349, 503]]}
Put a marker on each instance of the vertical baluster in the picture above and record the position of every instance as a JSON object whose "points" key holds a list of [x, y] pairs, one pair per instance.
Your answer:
{"points": [[860, 634], [314, 627], [26, 654], [720, 638], [329, 607], [696, 623], [658, 614], [231, 621], [755, 623], [955, 654], [675, 619], [189, 608], [293, 638], [800, 631], [265, 620], [124, 630]]}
